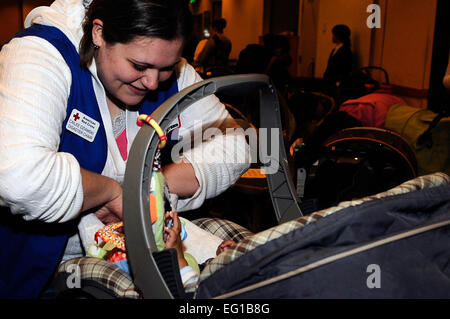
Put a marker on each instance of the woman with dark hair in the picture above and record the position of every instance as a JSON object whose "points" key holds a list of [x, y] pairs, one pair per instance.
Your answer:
{"points": [[72, 85], [340, 62]]}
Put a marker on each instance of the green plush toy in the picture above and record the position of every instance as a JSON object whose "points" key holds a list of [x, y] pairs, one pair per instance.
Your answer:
{"points": [[114, 242], [113, 248], [157, 205]]}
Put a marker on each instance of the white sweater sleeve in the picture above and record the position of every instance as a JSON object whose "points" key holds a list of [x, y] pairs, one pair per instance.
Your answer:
{"points": [[217, 161], [36, 180]]}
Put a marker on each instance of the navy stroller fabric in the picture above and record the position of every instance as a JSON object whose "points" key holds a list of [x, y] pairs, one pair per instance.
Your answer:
{"points": [[413, 267]]}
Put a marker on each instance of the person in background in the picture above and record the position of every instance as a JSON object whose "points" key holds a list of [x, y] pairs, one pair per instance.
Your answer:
{"points": [[216, 49], [72, 85], [278, 47], [340, 62]]}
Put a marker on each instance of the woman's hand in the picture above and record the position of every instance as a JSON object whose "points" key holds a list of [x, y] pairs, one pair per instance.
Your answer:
{"points": [[103, 196], [111, 212]]}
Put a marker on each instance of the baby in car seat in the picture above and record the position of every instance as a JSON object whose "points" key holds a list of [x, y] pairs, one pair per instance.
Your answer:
{"points": [[111, 246], [173, 239]]}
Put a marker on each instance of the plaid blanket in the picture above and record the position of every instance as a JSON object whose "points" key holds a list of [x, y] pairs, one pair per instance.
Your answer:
{"points": [[97, 273], [223, 229]]}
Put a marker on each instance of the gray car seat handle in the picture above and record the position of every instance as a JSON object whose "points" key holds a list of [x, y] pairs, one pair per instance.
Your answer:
{"points": [[136, 188]]}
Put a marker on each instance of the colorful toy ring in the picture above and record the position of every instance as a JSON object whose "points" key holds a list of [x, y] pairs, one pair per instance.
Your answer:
{"points": [[149, 120]]}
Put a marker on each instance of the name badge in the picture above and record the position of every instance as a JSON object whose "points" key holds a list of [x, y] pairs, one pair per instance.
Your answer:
{"points": [[82, 125]]}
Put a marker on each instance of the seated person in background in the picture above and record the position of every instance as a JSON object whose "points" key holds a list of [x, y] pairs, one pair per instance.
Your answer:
{"points": [[253, 59], [216, 49], [272, 59], [340, 62], [199, 48], [278, 47]]}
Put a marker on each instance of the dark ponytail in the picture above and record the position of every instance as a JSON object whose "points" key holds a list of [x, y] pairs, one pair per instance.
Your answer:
{"points": [[342, 33], [123, 20]]}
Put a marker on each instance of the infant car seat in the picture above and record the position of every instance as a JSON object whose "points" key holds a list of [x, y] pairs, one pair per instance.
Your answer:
{"points": [[146, 263]]}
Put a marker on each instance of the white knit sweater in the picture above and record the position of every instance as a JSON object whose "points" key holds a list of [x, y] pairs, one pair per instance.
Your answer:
{"points": [[39, 182]]}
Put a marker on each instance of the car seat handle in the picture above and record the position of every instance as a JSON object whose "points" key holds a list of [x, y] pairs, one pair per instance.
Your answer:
{"points": [[137, 224]]}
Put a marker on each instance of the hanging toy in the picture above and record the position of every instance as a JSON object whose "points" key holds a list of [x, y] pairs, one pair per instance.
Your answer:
{"points": [[113, 247]]}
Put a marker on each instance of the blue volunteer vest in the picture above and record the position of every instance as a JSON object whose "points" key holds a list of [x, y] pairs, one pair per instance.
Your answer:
{"points": [[30, 251]]}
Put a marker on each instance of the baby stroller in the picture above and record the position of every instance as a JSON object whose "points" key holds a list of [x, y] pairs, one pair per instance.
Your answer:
{"points": [[302, 257], [363, 82]]}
